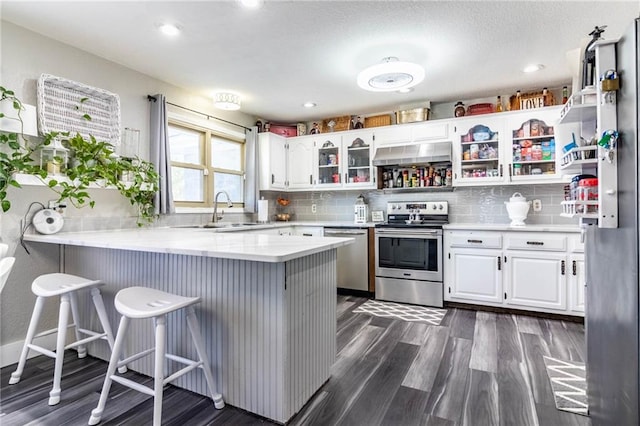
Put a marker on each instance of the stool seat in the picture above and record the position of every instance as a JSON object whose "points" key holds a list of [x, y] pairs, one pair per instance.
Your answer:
{"points": [[144, 302], [49, 285]]}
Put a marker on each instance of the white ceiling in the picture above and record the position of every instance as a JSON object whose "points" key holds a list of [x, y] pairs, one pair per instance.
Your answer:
{"points": [[290, 52]]}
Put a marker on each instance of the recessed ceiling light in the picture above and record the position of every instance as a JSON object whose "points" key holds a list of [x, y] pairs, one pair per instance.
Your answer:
{"points": [[406, 90], [251, 4], [169, 29], [390, 75], [533, 68], [309, 104]]}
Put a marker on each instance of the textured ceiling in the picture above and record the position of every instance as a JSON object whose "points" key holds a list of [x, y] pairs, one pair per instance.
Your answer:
{"points": [[289, 52]]}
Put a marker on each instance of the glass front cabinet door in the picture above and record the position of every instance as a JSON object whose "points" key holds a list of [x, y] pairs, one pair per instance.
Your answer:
{"points": [[359, 150], [477, 152], [329, 159], [532, 156]]}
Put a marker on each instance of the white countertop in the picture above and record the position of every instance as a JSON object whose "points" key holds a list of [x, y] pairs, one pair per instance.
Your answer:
{"points": [[199, 242], [507, 227]]}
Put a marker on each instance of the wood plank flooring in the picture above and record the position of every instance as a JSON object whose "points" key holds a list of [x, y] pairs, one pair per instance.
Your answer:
{"points": [[476, 368]]}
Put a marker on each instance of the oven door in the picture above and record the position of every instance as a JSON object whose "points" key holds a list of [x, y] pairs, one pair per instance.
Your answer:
{"points": [[409, 253]]}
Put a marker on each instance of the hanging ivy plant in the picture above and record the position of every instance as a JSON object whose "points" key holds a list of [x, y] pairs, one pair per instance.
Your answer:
{"points": [[91, 162]]}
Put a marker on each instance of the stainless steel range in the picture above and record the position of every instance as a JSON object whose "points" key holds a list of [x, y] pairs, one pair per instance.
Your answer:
{"points": [[409, 252]]}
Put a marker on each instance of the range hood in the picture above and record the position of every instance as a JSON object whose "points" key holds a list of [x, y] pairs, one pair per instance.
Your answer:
{"points": [[424, 153]]}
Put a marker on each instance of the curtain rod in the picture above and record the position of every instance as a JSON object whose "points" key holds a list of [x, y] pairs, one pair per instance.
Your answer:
{"points": [[153, 98]]}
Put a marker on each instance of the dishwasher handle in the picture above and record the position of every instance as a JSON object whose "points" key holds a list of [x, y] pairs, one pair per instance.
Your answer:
{"points": [[346, 232]]}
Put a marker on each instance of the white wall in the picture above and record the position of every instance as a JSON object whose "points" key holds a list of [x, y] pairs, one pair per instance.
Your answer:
{"points": [[26, 55]]}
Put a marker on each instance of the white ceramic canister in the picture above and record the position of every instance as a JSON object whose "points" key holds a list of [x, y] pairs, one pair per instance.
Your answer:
{"points": [[518, 208]]}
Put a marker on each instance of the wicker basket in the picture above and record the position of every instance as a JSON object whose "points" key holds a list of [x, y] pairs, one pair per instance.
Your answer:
{"points": [[377, 121], [63, 105], [342, 123]]}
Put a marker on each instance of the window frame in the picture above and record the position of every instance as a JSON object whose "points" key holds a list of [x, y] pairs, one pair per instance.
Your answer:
{"points": [[206, 167]]}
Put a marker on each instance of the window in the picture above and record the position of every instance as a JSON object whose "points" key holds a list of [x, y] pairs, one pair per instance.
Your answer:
{"points": [[202, 164]]}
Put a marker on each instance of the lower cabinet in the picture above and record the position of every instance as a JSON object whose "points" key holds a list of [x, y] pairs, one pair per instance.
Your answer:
{"points": [[524, 270]]}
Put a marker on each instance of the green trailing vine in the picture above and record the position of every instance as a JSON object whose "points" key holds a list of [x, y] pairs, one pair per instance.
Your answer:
{"points": [[90, 162]]}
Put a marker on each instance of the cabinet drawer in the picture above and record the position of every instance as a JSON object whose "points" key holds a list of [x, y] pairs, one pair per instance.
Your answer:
{"points": [[536, 241], [474, 239]]}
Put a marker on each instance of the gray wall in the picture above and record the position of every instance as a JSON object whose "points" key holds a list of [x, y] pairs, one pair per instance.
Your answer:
{"points": [[25, 56]]}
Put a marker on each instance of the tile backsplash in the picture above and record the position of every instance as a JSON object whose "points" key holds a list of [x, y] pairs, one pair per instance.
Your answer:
{"points": [[466, 204]]}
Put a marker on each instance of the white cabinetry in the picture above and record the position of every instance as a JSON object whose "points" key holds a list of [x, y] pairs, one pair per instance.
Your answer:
{"points": [[344, 161], [405, 134], [523, 270], [503, 148], [300, 161], [273, 161]]}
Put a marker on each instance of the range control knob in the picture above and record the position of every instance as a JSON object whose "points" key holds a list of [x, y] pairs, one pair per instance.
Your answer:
{"points": [[433, 206], [440, 207]]}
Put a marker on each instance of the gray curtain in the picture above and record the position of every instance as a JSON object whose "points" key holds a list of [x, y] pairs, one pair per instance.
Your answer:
{"points": [[251, 171], [159, 154]]}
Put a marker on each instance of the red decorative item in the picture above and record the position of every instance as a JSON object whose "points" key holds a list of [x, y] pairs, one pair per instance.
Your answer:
{"points": [[286, 131], [476, 109]]}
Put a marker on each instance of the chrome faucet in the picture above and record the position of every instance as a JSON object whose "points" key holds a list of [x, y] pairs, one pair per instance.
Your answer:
{"points": [[215, 217]]}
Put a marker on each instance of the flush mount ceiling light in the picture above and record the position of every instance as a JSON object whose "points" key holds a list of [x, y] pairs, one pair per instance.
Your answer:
{"points": [[169, 29], [226, 100], [251, 4], [533, 68], [309, 104], [390, 75]]}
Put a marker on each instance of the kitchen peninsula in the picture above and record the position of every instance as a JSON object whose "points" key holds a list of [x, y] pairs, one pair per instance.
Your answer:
{"points": [[268, 311]]}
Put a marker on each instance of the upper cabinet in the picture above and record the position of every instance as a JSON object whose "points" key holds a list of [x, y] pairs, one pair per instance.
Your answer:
{"points": [[328, 160], [344, 160], [272, 151], [477, 151], [358, 168], [300, 161], [511, 147]]}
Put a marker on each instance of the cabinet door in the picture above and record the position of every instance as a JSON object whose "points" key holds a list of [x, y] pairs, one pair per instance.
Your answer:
{"points": [[273, 161], [358, 147], [533, 153], [536, 279], [576, 283], [393, 135], [477, 151], [474, 275], [328, 160], [301, 163], [430, 131]]}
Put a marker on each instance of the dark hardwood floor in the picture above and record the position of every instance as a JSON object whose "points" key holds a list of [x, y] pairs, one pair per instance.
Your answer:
{"points": [[476, 368]]}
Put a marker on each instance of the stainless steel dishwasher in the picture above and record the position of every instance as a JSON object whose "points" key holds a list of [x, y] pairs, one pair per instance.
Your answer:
{"points": [[353, 259]]}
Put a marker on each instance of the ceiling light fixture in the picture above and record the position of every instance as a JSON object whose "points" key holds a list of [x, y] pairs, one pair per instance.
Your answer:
{"points": [[533, 68], [390, 75], [309, 104], [251, 4], [169, 29], [227, 101]]}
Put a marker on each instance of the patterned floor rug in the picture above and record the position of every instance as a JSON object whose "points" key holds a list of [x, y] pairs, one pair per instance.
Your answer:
{"points": [[424, 314], [569, 384]]}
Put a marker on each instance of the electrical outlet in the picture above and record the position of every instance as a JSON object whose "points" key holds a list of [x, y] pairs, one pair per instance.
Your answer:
{"points": [[537, 205], [313, 208]]}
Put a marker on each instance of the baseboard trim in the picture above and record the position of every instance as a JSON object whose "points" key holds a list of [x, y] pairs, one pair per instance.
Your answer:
{"points": [[10, 352], [501, 310]]}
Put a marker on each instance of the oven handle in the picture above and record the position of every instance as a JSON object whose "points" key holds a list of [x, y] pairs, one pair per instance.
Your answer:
{"points": [[408, 234]]}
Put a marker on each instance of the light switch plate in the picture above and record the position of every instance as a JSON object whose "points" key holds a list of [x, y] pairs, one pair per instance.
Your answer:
{"points": [[537, 205]]}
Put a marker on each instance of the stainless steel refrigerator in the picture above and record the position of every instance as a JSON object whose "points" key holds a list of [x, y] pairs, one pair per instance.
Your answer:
{"points": [[612, 312]]}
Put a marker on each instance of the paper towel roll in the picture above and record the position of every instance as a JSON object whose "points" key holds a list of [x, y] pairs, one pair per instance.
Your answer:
{"points": [[263, 211]]}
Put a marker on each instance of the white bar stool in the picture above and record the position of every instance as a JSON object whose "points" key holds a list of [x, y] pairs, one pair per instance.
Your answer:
{"points": [[66, 286], [140, 303]]}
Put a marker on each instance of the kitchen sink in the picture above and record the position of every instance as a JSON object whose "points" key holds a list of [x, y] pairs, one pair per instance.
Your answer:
{"points": [[218, 225]]}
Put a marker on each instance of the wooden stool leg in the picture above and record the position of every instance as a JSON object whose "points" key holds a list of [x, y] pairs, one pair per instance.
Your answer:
{"points": [[194, 328], [31, 331], [96, 414], [63, 320], [158, 385], [104, 321], [73, 298]]}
